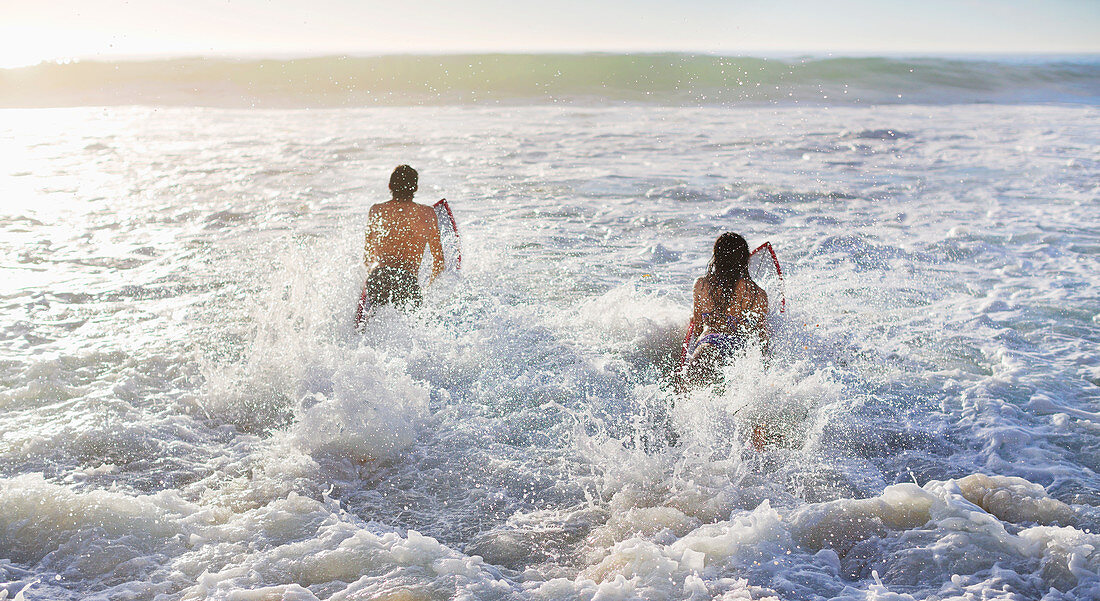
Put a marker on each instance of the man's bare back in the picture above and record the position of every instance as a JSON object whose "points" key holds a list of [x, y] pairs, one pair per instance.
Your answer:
{"points": [[397, 232]]}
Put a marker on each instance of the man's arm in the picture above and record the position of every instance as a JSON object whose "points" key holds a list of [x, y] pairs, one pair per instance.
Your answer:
{"points": [[435, 245]]}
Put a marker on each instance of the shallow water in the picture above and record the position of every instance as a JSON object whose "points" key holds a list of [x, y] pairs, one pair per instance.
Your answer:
{"points": [[188, 413]]}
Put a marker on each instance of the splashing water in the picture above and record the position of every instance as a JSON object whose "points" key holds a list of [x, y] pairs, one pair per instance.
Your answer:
{"points": [[189, 413]]}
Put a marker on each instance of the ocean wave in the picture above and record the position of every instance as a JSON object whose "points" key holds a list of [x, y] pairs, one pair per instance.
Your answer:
{"points": [[666, 79]]}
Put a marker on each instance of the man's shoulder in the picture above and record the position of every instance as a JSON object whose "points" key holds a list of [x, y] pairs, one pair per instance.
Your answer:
{"points": [[427, 210]]}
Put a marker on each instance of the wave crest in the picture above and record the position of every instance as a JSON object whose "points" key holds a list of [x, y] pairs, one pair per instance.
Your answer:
{"points": [[665, 78]]}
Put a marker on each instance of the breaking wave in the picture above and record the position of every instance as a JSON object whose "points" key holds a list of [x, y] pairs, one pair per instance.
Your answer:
{"points": [[668, 78]]}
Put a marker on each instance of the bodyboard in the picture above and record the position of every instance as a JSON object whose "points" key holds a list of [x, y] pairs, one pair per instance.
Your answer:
{"points": [[448, 235], [764, 269]]}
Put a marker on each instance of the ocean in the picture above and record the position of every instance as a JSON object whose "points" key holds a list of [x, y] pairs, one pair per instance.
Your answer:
{"points": [[187, 411]]}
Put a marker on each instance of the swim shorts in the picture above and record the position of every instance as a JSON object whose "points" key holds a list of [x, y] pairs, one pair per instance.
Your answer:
{"points": [[393, 286], [723, 343]]}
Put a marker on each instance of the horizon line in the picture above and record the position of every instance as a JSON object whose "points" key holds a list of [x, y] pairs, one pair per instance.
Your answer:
{"points": [[763, 54]]}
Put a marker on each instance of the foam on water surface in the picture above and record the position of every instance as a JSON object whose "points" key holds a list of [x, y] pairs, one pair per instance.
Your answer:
{"points": [[188, 412]]}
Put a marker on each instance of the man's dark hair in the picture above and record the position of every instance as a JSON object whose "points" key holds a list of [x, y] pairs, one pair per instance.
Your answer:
{"points": [[403, 181]]}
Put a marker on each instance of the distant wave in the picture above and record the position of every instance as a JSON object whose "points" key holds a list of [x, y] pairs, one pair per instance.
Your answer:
{"points": [[666, 79]]}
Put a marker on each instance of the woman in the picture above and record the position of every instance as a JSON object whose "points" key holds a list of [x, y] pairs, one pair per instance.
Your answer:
{"points": [[729, 308]]}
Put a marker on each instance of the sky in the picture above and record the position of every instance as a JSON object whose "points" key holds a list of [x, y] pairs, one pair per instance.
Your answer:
{"points": [[32, 31]]}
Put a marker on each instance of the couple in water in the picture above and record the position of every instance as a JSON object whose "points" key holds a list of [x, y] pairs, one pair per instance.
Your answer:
{"points": [[728, 308]]}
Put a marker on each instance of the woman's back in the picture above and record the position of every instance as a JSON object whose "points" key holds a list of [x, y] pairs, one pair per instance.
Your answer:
{"points": [[728, 309], [737, 309]]}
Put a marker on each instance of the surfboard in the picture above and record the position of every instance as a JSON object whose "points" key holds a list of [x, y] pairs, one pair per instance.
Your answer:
{"points": [[448, 235], [452, 254], [765, 270]]}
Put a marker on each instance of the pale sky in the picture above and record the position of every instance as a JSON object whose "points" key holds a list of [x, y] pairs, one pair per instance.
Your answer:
{"points": [[36, 30]]}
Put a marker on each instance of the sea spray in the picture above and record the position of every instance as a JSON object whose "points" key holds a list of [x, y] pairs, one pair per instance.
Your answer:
{"points": [[180, 358]]}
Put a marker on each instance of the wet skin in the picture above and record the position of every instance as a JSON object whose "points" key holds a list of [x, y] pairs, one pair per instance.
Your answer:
{"points": [[397, 232], [749, 307]]}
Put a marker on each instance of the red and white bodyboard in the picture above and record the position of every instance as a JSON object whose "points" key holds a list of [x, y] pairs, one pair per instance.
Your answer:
{"points": [[765, 271], [448, 235]]}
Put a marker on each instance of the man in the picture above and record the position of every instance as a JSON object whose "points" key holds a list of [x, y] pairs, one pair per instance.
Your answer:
{"points": [[397, 232]]}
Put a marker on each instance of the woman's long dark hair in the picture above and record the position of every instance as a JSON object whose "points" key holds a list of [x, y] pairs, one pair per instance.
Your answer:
{"points": [[729, 264]]}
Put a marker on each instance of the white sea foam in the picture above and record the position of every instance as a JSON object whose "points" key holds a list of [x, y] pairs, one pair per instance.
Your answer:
{"points": [[188, 412]]}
